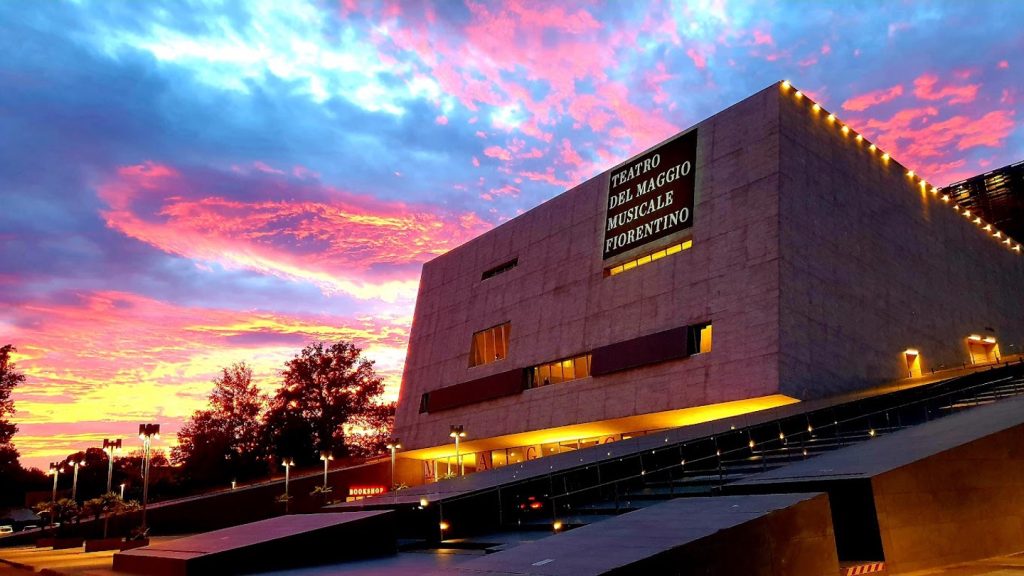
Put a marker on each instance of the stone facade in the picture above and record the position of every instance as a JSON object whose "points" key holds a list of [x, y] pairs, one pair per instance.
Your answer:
{"points": [[816, 263]]}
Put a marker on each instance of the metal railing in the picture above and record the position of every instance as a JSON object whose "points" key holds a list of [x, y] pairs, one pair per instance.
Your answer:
{"points": [[700, 466]]}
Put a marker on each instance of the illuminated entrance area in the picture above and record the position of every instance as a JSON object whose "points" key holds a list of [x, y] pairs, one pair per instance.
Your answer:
{"points": [[913, 358], [982, 350], [440, 462]]}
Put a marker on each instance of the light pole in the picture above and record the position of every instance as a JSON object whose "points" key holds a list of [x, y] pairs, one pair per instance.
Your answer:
{"points": [[111, 446], [457, 431], [122, 490], [55, 472], [147, 433], [326, 456], [393, 445], [74, 483], [287, 463]]}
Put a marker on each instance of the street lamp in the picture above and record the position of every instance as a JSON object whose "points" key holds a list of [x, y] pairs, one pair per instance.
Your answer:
{"points": [[287, 463], [147, 433], [326, 456], [110, 446], [55, 472], [457, 431], [393, 445], [74, 483]]}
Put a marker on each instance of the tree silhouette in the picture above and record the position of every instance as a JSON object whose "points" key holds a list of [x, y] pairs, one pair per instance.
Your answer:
{"points": [[225, 441], [324, 388], [9, 379], [13, 479], [371, 430]]}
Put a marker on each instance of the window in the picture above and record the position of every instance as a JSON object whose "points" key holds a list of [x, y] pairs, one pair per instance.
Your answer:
{"points": [[698, 338], [648, 258], [560, 371], [489, 345], [500, 269]]}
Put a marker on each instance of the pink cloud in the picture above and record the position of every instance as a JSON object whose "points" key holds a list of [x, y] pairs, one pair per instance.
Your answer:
{"points": [[873, 98], [1004, 64], [763, 38], [442, 120], [925, 89], [547, 176], [344, 244], [921, 139], [568, 154], [497, 152], [698, 59]]}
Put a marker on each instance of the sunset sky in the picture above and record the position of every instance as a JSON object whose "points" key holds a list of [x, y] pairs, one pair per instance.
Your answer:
{"points": [[185, 185]]}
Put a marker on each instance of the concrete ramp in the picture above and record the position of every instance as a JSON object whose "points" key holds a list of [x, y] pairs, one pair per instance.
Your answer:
{"points": [[776, 534], [940, 493], [282, 542]]}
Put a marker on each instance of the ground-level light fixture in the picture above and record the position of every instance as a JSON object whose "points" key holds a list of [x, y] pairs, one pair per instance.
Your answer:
{"points": [[110, 447], [74, 483], [55, 472], [393, 445], [326, 456], [147, 433], [457, 431], [287, 463]]}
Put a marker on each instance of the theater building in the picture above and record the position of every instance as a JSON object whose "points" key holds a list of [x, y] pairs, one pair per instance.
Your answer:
{"points": [[767, 255]]}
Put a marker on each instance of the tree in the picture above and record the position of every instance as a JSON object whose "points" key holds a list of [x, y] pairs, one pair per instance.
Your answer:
{"points": [[371, 430], [9, 379], [59, 512], [105, 505], [92, 475], [225, 441], [324, 388], [12, 477]]}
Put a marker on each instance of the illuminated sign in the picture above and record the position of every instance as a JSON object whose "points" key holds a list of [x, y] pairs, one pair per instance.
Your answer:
{"points": [[359, 491], [651, 196]]}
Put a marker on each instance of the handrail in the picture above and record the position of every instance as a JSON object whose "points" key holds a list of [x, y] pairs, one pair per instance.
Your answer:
{"points": [[836, 425]]}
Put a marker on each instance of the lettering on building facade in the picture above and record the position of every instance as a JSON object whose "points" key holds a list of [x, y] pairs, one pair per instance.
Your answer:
{"points": [[363, 491], [652, 196]]}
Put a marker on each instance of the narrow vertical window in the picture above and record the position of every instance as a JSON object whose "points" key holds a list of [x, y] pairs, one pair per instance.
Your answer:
{"points": [[698, 339]]}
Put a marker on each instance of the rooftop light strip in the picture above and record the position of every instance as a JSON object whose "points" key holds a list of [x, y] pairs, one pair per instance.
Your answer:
{"points": [[1010, 243]]}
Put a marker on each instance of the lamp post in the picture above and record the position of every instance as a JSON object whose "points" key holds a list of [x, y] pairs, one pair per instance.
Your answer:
{"points": [[287, 463], [55, 472], [326, 456], [147, 433], [393, 445], [457, 431], [111, 446], [74, 483]]}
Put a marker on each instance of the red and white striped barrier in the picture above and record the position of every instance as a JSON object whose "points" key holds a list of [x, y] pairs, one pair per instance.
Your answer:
{"points": [[864, 569]]}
